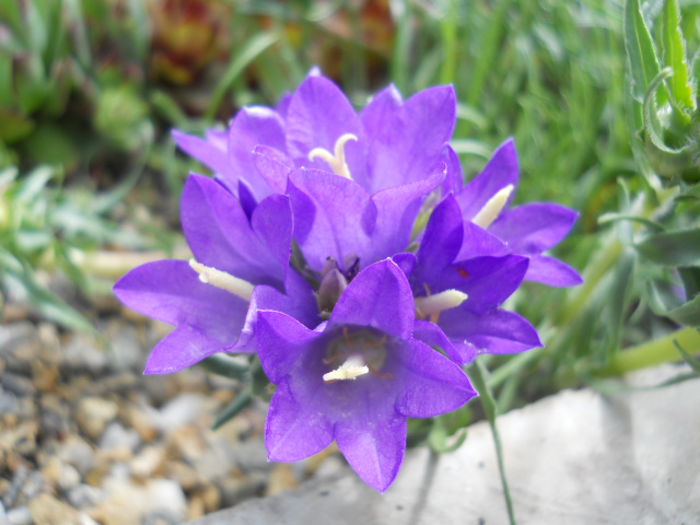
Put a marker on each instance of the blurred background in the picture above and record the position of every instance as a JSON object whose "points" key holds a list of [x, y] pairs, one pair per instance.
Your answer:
{"points": [[593, 91]]}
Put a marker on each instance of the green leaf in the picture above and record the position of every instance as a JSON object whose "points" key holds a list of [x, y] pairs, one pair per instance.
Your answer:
{"points": [[47, 303], [240, 402], [674, 51], [254, 47], [652, 126], [687, 314], [677, 248], [641, 55], [224, 366]]}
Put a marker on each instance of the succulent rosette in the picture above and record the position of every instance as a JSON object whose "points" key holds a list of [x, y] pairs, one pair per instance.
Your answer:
{"points": [[346, 252]]}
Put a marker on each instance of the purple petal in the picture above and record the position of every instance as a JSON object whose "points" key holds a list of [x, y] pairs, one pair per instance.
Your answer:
{"points": [[283, 104], [433, 335], [374, 443], [183, 347], [298, 301], [210, 153], [533, 228], [432, 384], [380, 297], [500, 171], [442, 239], [170, 291], [252, 126], [274, 166], [479, 242], [394, 211], [494, 332], [293, 430], [328, 216], [220, 235], [405, 147], [488, 281], [319, 114], [406, 261], [454, 180], [282, 340], [551, 271]]}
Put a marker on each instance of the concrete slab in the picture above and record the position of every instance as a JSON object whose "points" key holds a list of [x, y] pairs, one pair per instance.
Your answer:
{"points": [[573, 458]]}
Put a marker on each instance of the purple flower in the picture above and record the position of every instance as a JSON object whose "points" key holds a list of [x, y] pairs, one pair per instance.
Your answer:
{"points": [[384, 161], [527, 230], [357, 378], [308, 248], [239, 261], [458, 291]]}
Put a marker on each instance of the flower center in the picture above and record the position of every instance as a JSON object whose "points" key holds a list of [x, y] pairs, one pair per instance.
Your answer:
{"points": [[431, 306], [359, 352], [493, 207], [335, 160], [223, 280]]}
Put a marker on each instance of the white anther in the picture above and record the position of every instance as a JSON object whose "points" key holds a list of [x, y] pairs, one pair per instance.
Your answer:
{"points": [[223, 280], [351, 369], [436, 303], [493, 207], [335, 160]]}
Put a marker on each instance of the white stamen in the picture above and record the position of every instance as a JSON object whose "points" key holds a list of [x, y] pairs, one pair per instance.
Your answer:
{"points": [[436, 303], [223, 280], [493, 207], [351, 369], [335, 160]]}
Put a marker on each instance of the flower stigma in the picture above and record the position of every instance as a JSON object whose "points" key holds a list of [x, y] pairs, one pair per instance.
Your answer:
{"points": [[361, 352], [223, 280], [335, 160], [432, 305], [493, 207]]}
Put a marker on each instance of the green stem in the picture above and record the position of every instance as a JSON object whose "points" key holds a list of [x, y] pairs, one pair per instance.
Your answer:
{"points": [[593, 275], [652, 353], [481, 381]]}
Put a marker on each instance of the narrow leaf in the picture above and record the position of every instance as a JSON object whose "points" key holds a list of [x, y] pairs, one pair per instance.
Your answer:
{"points": [[674, 51], [643, 62], [677, 248]]}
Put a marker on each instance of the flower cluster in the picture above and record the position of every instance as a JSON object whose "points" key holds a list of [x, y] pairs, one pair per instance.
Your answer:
{"points": [[347, 252]]}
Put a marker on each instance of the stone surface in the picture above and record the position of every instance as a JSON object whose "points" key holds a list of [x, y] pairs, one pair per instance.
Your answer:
{"points": [[575, 458]]}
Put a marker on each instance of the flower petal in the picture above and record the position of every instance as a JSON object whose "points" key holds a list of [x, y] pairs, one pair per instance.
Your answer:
{"points": [[494, 332], [374, 443], [478, 242], [432, 334], [551, 271], [252, 126], [210, 153], [170, 291], [183, 347], [500, 171], [380, 297], [442, 239], [405, 147], [533, 228], [220, 235], [294, 430], [328, 216], [274, 166], [282, 340], [317, 116], [432, 384], [392, 213], [488, 281], [298, 301]]}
